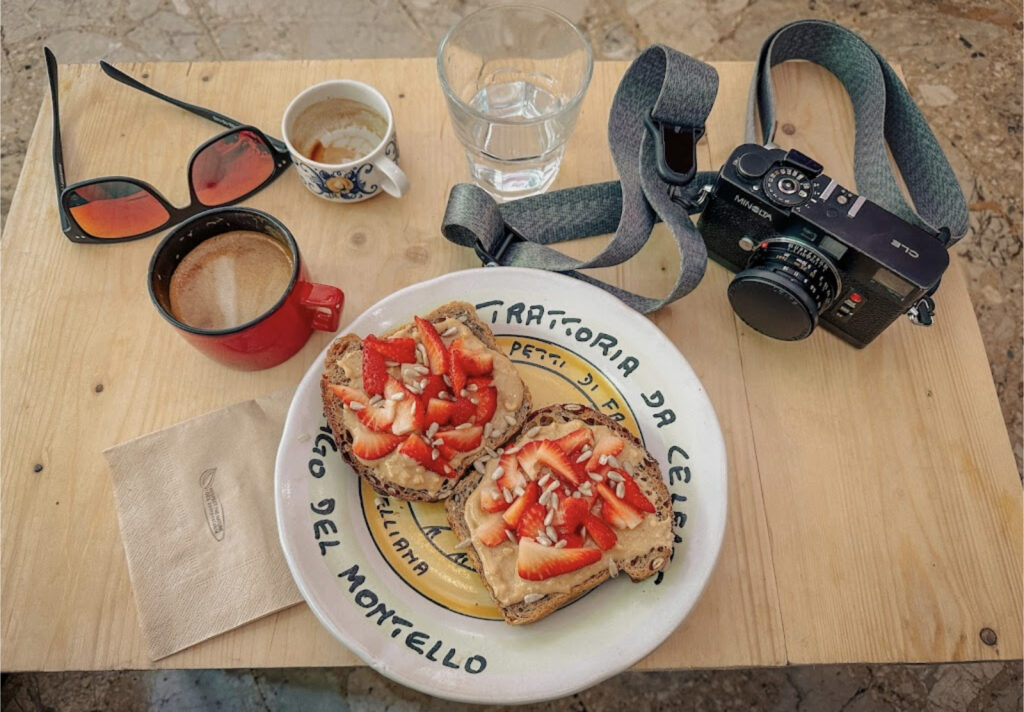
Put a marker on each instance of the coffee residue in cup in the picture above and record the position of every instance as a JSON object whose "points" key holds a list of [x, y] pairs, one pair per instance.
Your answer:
{"points": [[338, 131], [230, 279]]}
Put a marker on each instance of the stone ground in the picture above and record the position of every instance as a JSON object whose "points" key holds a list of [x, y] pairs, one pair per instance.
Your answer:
{"points": [[962, 62]]}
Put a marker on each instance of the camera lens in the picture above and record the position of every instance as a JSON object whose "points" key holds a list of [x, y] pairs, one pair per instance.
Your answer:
{"points": [[787, 186], [786, 284]]}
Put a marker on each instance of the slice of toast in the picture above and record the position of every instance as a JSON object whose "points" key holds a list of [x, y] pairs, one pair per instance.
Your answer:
{"points": [[639, 552], [395, 474]]}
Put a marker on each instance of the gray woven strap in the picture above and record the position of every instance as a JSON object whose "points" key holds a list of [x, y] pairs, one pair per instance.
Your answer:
{"points": [[884, 113], [661, 83]]}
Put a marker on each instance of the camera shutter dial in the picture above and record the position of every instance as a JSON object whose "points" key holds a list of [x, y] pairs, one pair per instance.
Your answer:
{"points": [[786, 284], [787, 186]]}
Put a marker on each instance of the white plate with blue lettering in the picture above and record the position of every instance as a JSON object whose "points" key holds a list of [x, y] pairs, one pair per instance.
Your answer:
{"points": [[385, 576]]}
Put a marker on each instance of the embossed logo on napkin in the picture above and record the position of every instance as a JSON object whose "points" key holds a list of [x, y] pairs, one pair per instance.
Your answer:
{"points": [[211, 505]]}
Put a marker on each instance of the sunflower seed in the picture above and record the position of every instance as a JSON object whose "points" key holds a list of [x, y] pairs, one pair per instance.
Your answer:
{"points": [[497, 433], [549, 516], [444, 395], [544, 497], [398, 396], [603, 460], [550, 531], [628, 467], [510, 535], [532, 597], [620, 490], [553, 486], [422, 384], [596, 477], [356, 405], [577, 494], [421, 353], [532, 432], [464, 393], [418, 368], [391, 364], [656, 564], [447, 381], [498, 472], [472, 388], [432, 430], [463, 426], [490, 451], [506, 494], [560, 544], [376, 399], [439, 442], [434, 454], [614, 476], [573, 407], [612, 568], [462, 318], [450, 331], [543, 540], [518, 491], [584, 456], [509, 419], [463, 544], [479, 466], [613, 461], [554, 501]]}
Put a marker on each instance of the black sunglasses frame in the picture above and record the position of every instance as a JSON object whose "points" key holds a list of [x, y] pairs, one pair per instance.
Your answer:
{"points": [[74, 232]]}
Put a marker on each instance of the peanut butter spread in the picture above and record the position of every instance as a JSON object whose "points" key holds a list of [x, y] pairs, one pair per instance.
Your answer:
{"points": [[396, 467], [499, 562]]}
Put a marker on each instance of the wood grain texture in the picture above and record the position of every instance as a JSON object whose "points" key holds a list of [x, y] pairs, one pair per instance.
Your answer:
{"points": [[875, 510]]}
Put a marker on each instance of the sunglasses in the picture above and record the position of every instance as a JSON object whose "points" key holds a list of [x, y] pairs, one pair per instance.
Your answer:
{"points": [[224, 170]]}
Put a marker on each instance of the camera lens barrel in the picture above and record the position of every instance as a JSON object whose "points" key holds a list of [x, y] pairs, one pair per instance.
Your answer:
{"points": [[786, 284]]}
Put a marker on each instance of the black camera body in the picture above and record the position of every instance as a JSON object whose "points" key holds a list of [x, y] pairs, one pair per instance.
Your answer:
{"points": [[805, 248]]}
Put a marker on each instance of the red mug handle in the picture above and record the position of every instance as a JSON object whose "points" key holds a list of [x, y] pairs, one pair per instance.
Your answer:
{"points": [[325, 302]]}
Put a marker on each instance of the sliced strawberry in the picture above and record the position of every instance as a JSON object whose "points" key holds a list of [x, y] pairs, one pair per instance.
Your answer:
{"points": [[536, 562], [606, 446], [486, 403], [512, 476], [615, 511], [438, 411], [348, 395], [370, 445], [571, 511], [435, 384], [463, 412], [521, 504], [456, 375], [492, 530], [375, 372], [402, 350], [600, 532], [437, 354], [475, 362], [462, 440], [419, 450], [409, 412], [378, 416], [531, 524], [575, 440], [544, 452], [492, 500], [634, 496], [572, 539]]}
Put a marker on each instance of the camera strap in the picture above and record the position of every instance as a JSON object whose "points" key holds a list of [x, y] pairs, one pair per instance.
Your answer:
{"points": [[883, 113], [656, 119]]}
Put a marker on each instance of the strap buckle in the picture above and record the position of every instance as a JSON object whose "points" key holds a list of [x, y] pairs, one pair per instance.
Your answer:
{"points": [[675, 149], [493, 259]]}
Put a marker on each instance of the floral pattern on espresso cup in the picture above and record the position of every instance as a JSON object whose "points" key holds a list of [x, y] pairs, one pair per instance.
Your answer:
{"points": [[345, 184]]}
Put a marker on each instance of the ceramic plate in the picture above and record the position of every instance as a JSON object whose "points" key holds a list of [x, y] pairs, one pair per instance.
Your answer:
{"points": [[384, 576]]}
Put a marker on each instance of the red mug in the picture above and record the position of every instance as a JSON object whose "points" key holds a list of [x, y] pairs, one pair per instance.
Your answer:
{"points": [[277, 333]]}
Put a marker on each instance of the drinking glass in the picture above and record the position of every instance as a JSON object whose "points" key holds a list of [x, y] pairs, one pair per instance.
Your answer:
{"points": [[514, 77]]}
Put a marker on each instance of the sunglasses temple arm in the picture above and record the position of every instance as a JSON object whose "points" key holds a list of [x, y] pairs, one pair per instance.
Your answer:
{"points": [[58, 151], [115, 73]]}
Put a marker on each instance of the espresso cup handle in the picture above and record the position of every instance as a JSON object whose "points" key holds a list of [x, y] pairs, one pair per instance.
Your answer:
{"points": [[397, 183], [325, 302]]}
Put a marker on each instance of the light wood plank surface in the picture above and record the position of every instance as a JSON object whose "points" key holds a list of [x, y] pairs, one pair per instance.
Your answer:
{"points": [[875, 509]]}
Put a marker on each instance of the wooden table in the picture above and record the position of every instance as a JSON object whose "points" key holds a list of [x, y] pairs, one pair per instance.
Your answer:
{"points": [[875, 507]]}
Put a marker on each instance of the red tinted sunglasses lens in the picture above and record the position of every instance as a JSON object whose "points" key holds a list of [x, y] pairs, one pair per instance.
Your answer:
{"points": [[115, 208], [231, 167]]}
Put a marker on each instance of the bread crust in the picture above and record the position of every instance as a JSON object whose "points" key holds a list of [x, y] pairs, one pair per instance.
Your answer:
{"points": [[647, 475], [333, 407]]}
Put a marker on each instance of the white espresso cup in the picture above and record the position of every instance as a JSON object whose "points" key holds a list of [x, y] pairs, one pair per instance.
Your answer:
{"points": [[357, 160]]}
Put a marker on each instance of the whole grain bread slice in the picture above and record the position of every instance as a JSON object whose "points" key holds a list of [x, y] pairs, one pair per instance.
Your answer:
{"points": [[647, 476], [333, 407]]}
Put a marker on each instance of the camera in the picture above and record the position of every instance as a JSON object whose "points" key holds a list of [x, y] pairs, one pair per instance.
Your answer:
{"points": [[805, 249]]}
